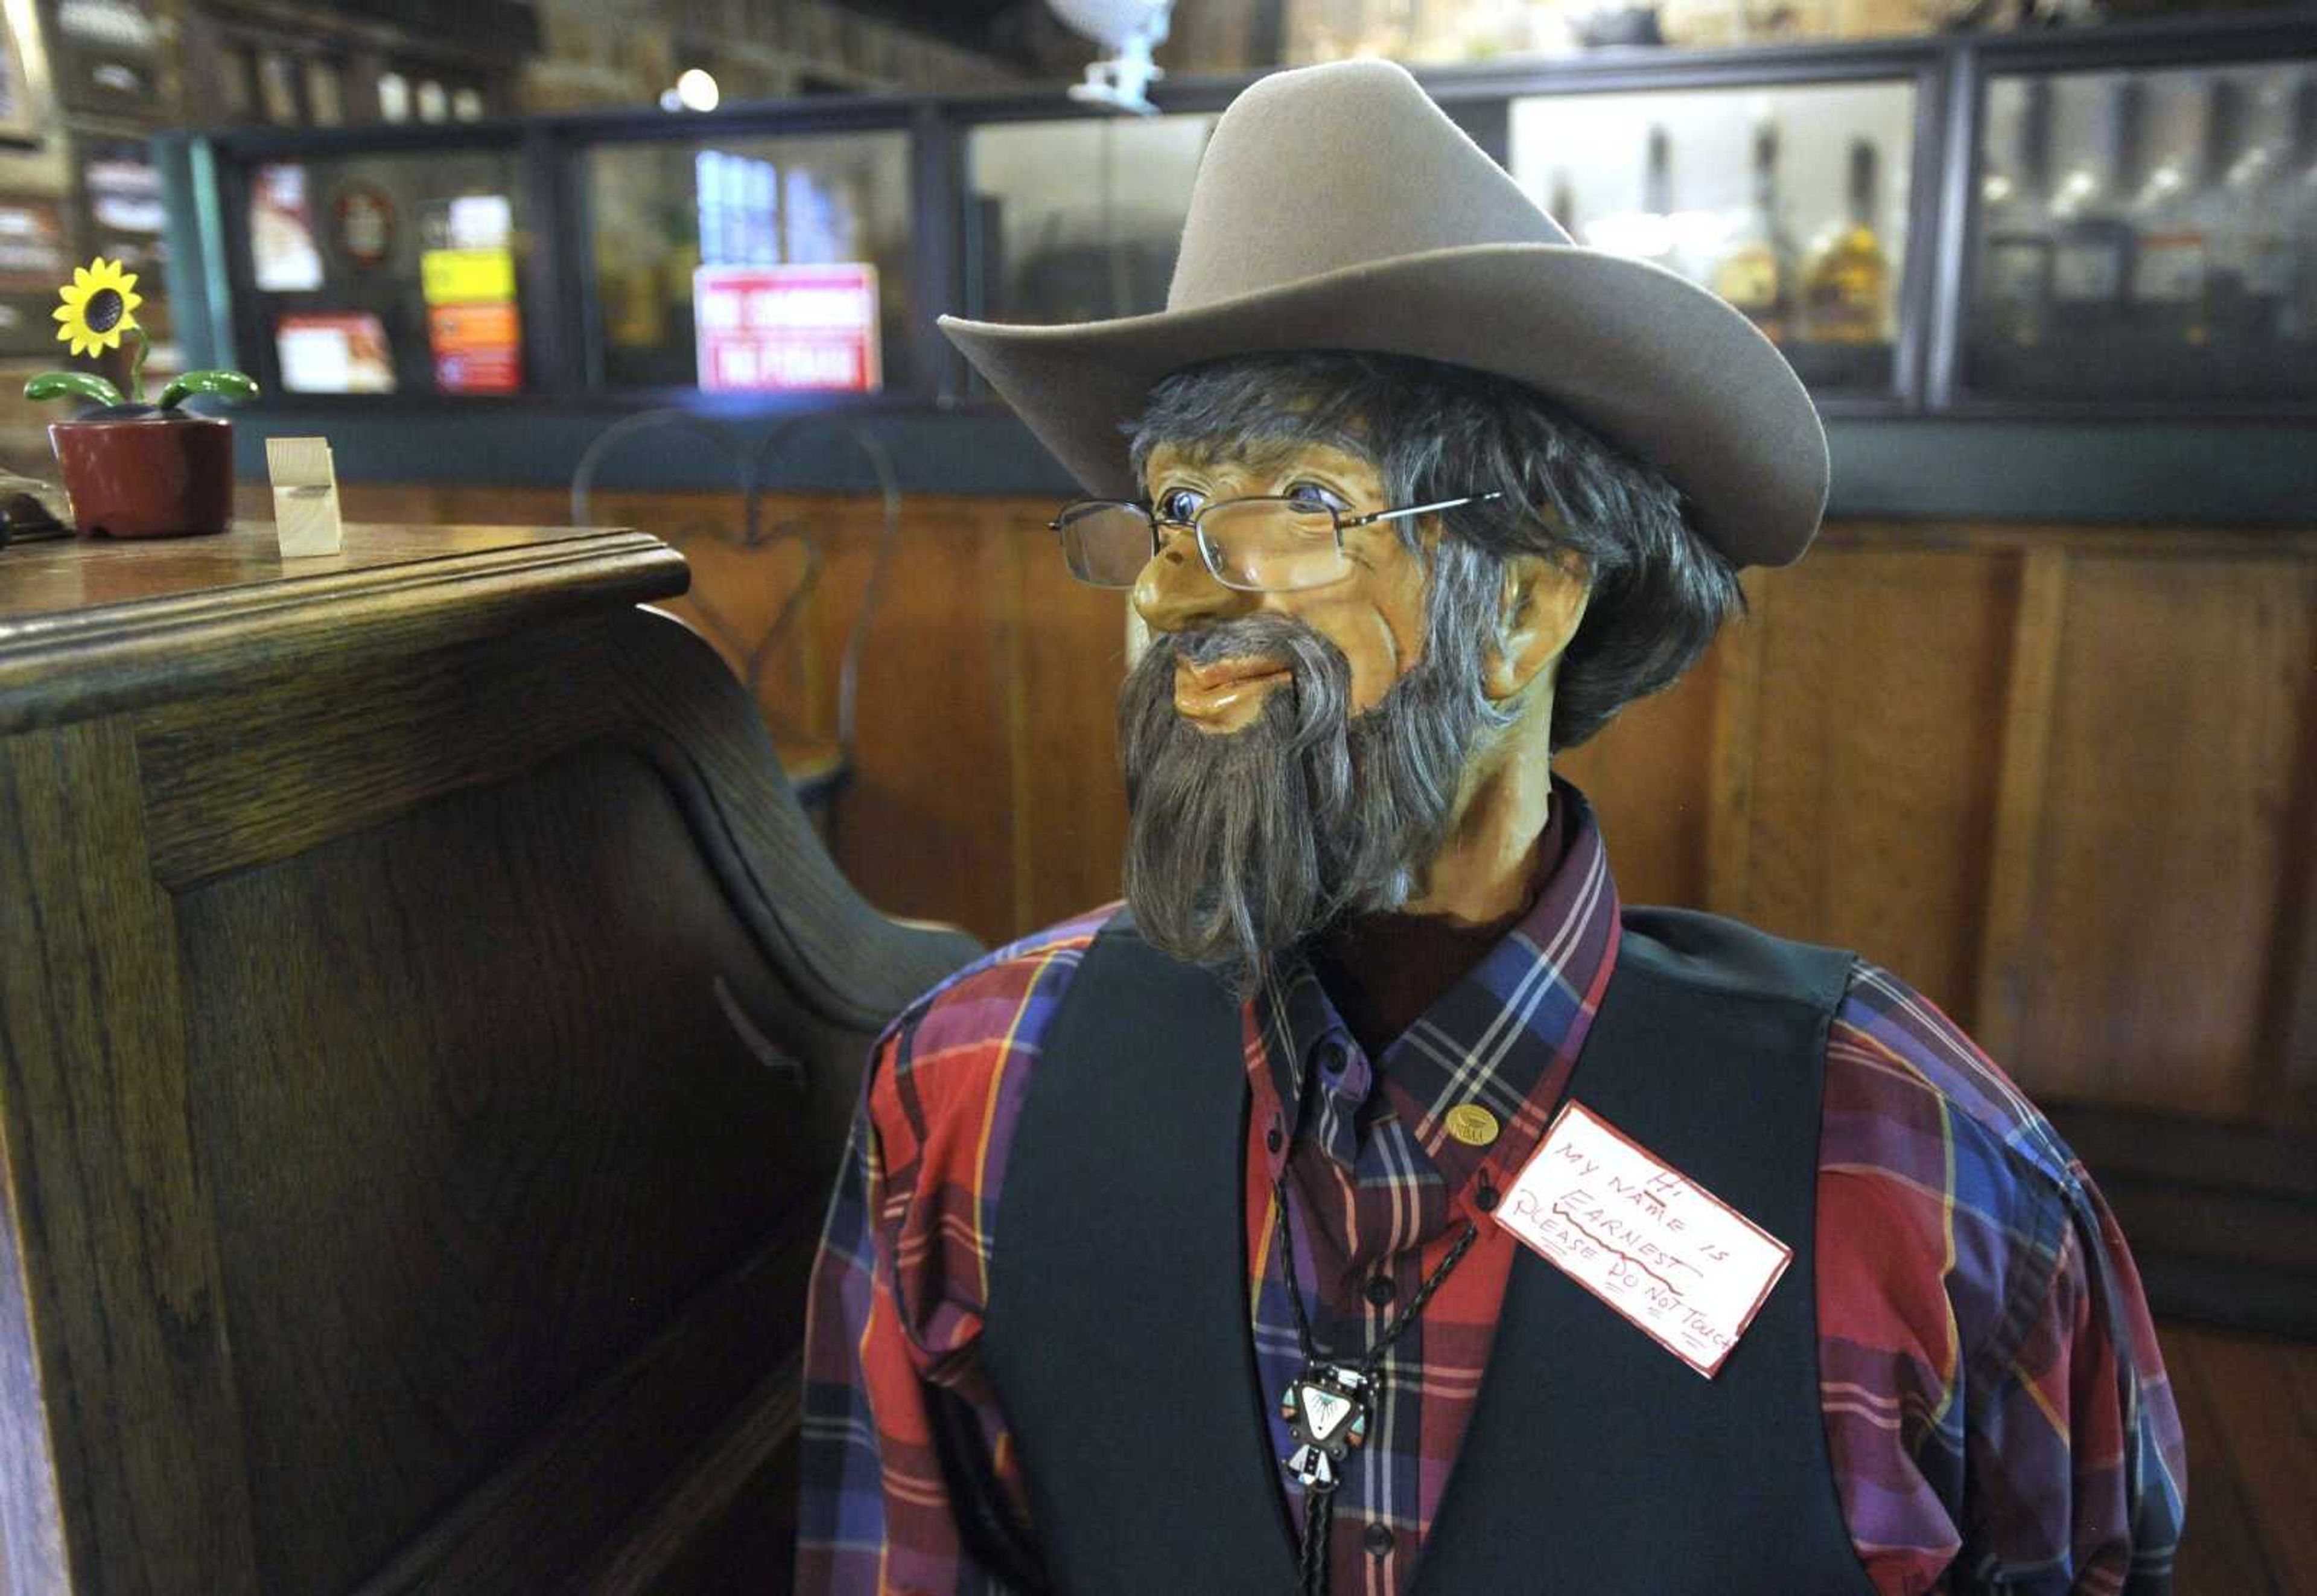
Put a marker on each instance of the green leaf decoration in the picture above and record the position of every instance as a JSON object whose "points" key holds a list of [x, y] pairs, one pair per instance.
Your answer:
{"points": [[226, 384], [86, 385]]}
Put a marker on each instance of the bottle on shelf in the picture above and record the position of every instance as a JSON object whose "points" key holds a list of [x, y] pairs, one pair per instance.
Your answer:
{"points": [[2179, 201], [1657, 172], [1845, 297], [1648, 231], [1755, 271], [2242, 240], [2016, 228], [2296, 317], [2253, 250], [2092, 246], [1656, 202]]}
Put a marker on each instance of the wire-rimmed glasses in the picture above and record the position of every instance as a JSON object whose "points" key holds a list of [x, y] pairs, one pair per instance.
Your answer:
{"points": [[1265, 544]]}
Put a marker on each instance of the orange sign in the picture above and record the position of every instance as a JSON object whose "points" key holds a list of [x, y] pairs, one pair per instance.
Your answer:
{"points": [[478, 348]]}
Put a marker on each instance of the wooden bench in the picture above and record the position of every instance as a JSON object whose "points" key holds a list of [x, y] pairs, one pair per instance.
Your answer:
{"points": [[428, 1029]]}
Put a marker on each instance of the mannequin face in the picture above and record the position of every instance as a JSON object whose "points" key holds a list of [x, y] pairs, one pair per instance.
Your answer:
{"points": [[1294, 756], [1375, 614]]}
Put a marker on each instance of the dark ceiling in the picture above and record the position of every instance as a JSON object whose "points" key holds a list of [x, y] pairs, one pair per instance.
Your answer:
{"points": [[978, 24]]}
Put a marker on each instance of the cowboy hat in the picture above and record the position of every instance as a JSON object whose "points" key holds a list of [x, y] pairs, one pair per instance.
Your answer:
{"points": [[1336, 207]]}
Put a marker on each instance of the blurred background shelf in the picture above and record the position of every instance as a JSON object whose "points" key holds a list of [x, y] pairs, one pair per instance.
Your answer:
{"points": [[2053, 227]]}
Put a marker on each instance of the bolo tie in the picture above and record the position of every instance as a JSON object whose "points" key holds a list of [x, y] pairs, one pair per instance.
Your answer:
{"points": [[1329, 1405]]}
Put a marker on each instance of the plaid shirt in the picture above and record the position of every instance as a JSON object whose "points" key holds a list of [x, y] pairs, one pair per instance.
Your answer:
{"points": [[1994, 1406]]}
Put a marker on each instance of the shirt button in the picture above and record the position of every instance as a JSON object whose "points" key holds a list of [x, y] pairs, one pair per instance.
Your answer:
{"points": [[1271, 1139], [1380, 1290], [1379, 1539], [1334, 1055], [1485, 1200]]}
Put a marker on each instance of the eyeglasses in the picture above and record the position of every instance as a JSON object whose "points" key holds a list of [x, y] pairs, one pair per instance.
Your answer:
{"points": [[1256, 545]]}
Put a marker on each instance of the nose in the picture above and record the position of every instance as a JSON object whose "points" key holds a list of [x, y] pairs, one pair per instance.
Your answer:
{"points": [[1177, 591]]}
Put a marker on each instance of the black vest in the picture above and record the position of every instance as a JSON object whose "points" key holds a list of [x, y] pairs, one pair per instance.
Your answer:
{"points": [[1595, 1462]]}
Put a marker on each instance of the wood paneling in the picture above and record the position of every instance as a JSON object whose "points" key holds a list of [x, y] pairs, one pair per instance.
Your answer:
{"points": [[1873, 757], [1646, 775], [2064, 780], [930, 836], [2023, 781], [1070, 649], [2187, 695]]}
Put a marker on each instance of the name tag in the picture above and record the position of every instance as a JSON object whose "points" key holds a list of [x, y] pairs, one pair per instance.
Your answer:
{"points": [[1684, 1265]]}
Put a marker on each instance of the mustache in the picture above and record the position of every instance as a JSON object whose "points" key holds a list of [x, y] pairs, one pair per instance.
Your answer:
{"points": [[1318, 697]]}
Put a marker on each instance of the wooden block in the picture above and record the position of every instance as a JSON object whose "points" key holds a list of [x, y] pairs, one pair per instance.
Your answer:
{"points": [[305, 496]]}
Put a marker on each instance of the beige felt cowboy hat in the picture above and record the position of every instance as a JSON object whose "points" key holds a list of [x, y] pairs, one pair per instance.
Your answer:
{"points": [[1339, 208]]}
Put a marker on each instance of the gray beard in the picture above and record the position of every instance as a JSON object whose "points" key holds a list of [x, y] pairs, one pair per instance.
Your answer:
{"points": [[1241, 845]]}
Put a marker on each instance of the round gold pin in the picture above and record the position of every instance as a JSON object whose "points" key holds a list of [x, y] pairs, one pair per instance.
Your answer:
{"points": [[1472, 1125]]}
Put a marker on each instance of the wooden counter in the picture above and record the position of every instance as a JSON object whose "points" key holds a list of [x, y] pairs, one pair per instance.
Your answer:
{"points": [[426, 1027]]}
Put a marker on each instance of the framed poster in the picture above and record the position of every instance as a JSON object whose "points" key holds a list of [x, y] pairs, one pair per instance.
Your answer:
{"points": [[282, 249], [334, 352]]}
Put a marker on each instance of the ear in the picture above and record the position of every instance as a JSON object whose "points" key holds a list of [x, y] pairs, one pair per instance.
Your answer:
{"points": [[1542, 601]]}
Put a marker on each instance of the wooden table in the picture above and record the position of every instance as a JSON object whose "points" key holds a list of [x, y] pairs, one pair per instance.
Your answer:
{"points": [[426, 1026]]}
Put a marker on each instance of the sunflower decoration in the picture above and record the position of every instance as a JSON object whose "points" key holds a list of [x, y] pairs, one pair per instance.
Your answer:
{"points": [[98, 313], [100, 306]]}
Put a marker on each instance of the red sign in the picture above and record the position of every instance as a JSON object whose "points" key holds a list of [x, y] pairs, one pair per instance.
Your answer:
{"points": [[767, 328]]}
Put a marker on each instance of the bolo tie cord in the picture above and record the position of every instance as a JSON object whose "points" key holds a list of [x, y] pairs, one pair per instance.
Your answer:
{"points": [[1320, 1506]]}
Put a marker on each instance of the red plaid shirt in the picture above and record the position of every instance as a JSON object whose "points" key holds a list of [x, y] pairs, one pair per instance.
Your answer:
{"points": [[1993, 1401]]}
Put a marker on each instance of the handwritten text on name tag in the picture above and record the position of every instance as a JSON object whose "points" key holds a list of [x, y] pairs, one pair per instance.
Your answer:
{"points": [[1684, 1265]]}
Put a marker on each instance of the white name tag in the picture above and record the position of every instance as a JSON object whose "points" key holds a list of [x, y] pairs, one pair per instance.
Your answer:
{"points": [[1685, 1267]]}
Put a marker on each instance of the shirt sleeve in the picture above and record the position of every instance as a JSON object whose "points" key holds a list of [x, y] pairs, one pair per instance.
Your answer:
{"points": [[906, 1484], [2077, 1453], [1996, 1404]]}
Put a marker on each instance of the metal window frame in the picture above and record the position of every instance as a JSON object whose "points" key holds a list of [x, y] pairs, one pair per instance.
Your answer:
{"points": [[1974, 64], [1947, 74]]}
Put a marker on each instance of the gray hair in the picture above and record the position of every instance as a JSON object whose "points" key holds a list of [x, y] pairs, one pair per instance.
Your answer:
{"points": [[1434, 431]]}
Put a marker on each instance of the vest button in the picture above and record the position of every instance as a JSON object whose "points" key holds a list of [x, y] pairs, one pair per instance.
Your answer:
{"points": [[1485, 1200], [1380, 1290], [1379, 1539], [1333, 1056], [1271, 1139]]}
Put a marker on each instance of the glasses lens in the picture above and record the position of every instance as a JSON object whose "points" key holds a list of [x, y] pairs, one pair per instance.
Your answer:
{"points": [[1105, 545], [1274, 545]]}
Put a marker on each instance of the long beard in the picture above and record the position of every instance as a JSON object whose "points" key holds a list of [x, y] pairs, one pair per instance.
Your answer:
{"points": [[1240, 846]]}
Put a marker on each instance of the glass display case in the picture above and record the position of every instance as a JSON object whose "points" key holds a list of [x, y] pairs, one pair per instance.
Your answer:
{"points": [[2066, 224], [746, 264], [1790, 203], [1076, 219], [386, 273], [2146, 235]]}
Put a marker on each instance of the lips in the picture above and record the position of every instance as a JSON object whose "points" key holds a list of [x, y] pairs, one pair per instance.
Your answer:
{"points": [[1217, 673], [1224, 694]]}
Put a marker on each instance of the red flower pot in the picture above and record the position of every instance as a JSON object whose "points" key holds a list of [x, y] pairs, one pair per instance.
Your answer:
{"points": [[166, 474]]}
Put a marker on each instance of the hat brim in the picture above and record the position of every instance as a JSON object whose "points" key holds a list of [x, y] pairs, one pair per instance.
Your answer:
{"points": [[1652, 362]]}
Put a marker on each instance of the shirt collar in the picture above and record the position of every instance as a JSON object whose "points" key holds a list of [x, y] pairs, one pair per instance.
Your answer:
{"points": [[1503, 1038]]}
